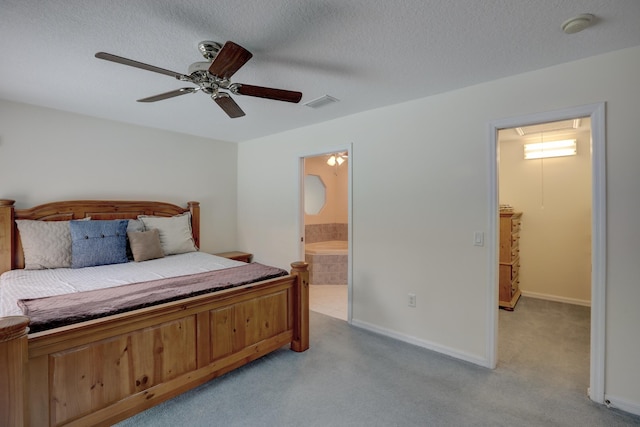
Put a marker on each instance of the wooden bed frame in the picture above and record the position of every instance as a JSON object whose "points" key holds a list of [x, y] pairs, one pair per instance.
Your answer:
{"points": [[105, 370]]}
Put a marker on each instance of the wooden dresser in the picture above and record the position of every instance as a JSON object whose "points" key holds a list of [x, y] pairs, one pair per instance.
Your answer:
{"points": [[509, 259]]}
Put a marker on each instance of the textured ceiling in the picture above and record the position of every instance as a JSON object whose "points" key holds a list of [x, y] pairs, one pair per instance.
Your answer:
{"points": [[366, 53]]}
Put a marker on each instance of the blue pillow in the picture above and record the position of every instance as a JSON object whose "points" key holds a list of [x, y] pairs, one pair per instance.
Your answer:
{"points": [[98, 243]]}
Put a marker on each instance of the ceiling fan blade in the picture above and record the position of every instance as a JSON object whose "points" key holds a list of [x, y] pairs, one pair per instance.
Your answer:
{"points": [[267, 92], [229, 106], [229, 60], [132, 63], [171, 94]]}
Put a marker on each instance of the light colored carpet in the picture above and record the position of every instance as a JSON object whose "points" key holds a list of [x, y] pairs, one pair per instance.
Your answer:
{"points": [[351, 377]]}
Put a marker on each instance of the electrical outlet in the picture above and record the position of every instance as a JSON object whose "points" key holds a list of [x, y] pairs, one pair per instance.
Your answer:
{"points": [[412, 300]]}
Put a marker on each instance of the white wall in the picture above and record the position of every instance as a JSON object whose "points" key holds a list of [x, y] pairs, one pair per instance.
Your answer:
{"points": [[554, 196], [414, 218], [48, 155]]}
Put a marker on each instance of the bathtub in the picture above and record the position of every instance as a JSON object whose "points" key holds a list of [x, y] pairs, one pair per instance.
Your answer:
{"points": [[332, 247], [327, 262]]}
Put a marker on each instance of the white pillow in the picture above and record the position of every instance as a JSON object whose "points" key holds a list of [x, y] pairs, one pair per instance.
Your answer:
{"points": [[175, 232], [45, 244]]}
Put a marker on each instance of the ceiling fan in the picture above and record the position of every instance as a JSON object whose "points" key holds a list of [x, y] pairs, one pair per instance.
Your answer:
{"points": [[212, 75]]}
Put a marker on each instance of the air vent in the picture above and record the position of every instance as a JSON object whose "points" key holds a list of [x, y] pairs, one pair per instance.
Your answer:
{"points": [[321, 102]]}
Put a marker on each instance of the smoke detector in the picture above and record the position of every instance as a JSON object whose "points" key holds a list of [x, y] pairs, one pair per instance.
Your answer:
{"points": [[577, 23]]}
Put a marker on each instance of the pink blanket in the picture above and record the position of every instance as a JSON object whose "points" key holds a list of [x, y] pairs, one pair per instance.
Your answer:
{"points": [[61, 310]]}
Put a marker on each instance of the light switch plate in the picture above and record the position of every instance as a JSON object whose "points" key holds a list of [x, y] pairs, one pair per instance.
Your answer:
{"points": [[478, 238]]}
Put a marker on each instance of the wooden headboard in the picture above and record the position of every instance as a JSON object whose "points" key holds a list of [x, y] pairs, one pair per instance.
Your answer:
{"points": [[11, 256]]}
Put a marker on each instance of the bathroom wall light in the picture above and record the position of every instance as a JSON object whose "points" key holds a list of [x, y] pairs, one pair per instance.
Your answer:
{"points": [[543, 150]]}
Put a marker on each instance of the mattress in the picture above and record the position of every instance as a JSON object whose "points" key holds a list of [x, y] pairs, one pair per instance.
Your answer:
{"points": [[26, 284]]}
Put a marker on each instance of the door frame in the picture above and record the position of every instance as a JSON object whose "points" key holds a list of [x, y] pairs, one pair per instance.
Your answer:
{"points": [[596, 112], [348, 147]]}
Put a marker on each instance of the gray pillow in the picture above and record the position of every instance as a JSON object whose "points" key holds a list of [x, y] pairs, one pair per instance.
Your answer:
{"points": [[135, 225], [145, 245]]}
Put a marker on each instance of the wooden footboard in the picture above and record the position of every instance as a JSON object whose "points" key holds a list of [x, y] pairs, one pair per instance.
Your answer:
{"points": [[99, 372], [105, 370]]}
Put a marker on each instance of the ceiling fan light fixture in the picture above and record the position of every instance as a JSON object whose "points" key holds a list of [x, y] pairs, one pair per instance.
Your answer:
{"points": [[337, 159], [577, 23]]}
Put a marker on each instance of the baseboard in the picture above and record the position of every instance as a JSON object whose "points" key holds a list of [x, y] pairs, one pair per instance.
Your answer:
{"points": [[422, 343], [623, 405], [575, 301]]}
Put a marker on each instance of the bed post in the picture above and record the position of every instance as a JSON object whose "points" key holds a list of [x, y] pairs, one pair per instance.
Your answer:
{"points": [[194, 208], [7, 235], [14, 361], [301, 307]]}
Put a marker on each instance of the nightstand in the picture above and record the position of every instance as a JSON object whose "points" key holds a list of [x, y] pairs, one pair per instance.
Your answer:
{"points": [[236, 255]]}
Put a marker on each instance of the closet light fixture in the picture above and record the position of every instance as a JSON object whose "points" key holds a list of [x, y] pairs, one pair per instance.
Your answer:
{"points": [[543, 150]]}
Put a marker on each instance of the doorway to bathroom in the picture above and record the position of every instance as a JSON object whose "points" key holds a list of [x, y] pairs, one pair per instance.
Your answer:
{"points": [[326, 230]]}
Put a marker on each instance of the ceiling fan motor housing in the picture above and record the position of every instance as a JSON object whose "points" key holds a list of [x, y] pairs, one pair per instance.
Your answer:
{"points": [[199, 66]]}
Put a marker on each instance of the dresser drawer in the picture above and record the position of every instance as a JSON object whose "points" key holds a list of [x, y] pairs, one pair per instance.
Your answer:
{"points": [[515, 269], [515, 225], [509, 247], [515, 285], [507, 287], [515, 252], [509, 272]]}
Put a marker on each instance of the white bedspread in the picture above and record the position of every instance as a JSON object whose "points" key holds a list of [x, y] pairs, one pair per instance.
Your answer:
{"points": [[20, 284]]}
